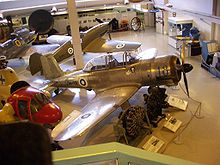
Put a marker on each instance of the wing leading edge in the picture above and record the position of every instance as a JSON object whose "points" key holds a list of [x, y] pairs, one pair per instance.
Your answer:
{"points": [[101, 45], [103, 104]]}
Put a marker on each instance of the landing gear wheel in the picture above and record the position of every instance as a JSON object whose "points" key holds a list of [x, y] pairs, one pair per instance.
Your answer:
{"points": [[133, 121], [135, 23]]}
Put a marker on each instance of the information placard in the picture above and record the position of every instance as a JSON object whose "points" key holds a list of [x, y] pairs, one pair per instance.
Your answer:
{"points": [[173, 124], [153, 144], [178, 103]]}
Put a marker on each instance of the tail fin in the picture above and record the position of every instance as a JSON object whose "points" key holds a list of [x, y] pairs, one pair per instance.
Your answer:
{"points": [[93, 33], [63, 52], [50, 67], [35, 63]]}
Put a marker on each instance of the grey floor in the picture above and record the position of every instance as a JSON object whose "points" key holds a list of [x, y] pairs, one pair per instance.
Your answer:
{"points": [[198, 138]]}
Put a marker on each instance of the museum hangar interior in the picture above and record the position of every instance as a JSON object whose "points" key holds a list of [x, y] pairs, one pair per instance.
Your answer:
{"points": [[130, 82]]}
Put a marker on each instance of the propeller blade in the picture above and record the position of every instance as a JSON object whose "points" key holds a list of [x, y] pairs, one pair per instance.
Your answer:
{"points": [[186, 83], [182, 55]]}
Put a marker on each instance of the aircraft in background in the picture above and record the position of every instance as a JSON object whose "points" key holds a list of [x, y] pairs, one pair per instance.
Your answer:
{"points": [[20, 101], [91, 40], [115, 79], [19, 40], [17, 44]]}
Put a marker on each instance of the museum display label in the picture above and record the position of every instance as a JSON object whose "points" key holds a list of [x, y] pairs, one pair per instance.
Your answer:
{"points": [[154, 144], [172, 124], [178, 103]]}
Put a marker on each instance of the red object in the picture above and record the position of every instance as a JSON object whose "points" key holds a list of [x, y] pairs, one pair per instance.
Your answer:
{"points": [[32, 104]]}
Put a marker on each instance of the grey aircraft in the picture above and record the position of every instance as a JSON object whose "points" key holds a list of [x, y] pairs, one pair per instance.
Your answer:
{"points": [[115, 79]]}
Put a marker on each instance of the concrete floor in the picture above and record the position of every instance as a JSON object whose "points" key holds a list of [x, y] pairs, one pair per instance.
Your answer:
{"points": [[197, 140]]}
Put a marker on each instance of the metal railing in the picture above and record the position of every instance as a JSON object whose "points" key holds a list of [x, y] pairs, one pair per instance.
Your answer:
{"points": [[123, 154]]}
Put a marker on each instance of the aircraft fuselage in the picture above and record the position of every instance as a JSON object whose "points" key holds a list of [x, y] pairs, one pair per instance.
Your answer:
{"points": [[156, 71]]}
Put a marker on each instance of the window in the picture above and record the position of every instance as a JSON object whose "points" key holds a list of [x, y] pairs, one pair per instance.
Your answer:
{"points": [[35, 107], [42, 99], [23, 108]]}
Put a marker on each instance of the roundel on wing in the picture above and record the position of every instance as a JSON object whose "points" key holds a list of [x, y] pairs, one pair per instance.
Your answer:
{"points": [[85, 115], [83, 82], [70, 50], [120, 46]]}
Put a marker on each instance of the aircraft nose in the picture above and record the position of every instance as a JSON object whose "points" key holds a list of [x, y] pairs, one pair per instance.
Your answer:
{"points": [[49, 114]]}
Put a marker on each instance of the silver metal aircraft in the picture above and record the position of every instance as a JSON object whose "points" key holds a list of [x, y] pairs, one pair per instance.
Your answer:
{"points": [[115, 79]]}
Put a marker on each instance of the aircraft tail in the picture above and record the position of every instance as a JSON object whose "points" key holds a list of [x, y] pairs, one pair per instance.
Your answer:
{"points": [[63, 52], [93, 33], [50, 67], [47, 64], [35, 63]]}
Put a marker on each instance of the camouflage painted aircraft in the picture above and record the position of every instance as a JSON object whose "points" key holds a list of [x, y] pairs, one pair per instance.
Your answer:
{"points": [[115, 79], [92, 41], [18, 44]]}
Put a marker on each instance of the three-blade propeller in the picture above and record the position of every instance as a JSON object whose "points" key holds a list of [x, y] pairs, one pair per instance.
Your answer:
{"points": [[184, 67]]}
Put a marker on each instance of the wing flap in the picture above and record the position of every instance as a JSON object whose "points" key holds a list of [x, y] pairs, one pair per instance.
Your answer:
{"points": [[95, 111]]}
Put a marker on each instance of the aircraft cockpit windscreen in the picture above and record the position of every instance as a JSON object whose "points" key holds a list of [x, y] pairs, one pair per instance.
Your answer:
{"points": [[110, 61], [95, 63], [147, 54], [38, 101], [42, 99]]}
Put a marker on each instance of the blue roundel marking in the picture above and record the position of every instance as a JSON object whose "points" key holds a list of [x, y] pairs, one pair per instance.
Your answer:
{"points": [[85, 116]]}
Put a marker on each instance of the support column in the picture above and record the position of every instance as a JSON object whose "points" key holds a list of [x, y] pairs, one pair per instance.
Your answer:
{"points": [[74, 25], [165, 20], [216, 27]]}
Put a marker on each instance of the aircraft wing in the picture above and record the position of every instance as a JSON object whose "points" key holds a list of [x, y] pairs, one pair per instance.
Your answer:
{"points": [[102, 105], [101, 45], [58, 39]]}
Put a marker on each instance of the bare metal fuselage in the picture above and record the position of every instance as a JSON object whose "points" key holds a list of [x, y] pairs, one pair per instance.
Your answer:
{"points": [[151, 72]]}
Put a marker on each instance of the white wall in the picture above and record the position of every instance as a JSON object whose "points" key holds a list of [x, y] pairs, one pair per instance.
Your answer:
{"points": [[159, 2], [203, 6]]}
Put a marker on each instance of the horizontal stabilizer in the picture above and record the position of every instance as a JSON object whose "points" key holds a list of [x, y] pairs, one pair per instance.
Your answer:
{"points": [[35, 63]]}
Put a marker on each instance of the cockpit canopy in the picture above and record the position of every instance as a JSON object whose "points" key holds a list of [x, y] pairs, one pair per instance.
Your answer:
{"points": [[110, 61]]}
